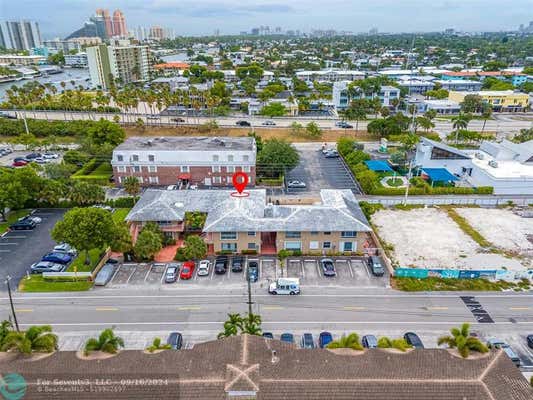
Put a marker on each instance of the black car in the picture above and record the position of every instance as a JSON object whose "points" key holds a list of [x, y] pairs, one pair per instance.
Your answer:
{"points": [[221, 265], [175, 340], [530, 341], [243, 123], [268, 335], [375, 266], [413, 339], [177, 119], [307, 341], [328, 268], [23, 224], [33, 156], [237, 264], [253, 271], [369, 341], [287, 337]]}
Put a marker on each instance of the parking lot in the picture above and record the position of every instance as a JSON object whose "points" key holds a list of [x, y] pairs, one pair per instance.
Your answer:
{"points": [[7, 160], [20, 249], [351, 272], [319, 172]]}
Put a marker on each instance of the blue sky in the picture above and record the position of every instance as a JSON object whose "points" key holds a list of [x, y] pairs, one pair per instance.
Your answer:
{"points": [[195, 17]]}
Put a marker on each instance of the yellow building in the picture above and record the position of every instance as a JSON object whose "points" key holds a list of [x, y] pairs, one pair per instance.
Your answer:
{"points": [[501, 100]]}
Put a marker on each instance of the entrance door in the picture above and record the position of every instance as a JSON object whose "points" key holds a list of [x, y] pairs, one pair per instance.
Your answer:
{"points": [[207, 181]]}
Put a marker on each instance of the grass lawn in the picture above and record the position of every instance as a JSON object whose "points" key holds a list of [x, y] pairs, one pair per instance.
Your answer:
{"points": [[467, 228], [79, 262], [36, 283], [394, 182], [11, 218], [430, 284], [120, 214]]}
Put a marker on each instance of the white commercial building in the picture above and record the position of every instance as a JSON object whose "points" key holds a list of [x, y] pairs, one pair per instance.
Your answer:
{"points": [[342, 98], [461, 85], [506, 166], [330, 75], [76, 60]]}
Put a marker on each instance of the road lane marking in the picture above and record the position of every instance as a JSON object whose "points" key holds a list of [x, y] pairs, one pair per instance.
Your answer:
{"points": [[436, 308], [106, 309], [273, 308], [189, 308], [519, 308], [9, 244], [354, 308], [23, 310]]}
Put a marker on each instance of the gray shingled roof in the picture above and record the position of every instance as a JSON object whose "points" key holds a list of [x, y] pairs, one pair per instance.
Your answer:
{"points": [[338, 211], [245, 364]]}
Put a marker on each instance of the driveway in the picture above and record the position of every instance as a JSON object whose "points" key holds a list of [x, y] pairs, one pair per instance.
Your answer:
{"points": [[20, 249]]}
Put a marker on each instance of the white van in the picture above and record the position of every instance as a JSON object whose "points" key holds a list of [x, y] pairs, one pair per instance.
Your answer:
{"points": [[285, 286]]}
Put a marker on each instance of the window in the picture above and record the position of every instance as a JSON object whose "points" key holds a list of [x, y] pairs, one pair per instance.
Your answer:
{"points": [[151, 157], [313, 245], [441, 154], [152, 168], [327, 233], [228, 247], [215, 169], [348, 234], [215, 157], [136, 168], [247, 168], [120, 157], [326, 245], [251, 246], [293, 245], [121, 168], [251, 233], [228, 235], [153, 180], [314, 233], [119, 179], [230, 158], [135, 157], [230, 169], [347, 246], [246, 158], [184, 168], [293, 235], [216, 180]]}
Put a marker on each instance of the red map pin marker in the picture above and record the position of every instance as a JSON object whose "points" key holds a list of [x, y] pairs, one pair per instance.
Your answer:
{"points": [[240, 180]]}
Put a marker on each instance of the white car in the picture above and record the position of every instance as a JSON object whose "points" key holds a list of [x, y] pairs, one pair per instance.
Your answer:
{"points": [[50, 156], [204, 267], [41, 160], [172, 187], [296, 184], [65, 248]]}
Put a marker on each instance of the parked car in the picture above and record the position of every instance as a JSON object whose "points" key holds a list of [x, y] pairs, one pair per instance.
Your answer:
{"points": [[37, 220], [171, 274], [331, 154], [33, 156], [177, 119], [46, 266], [65, 248], [369, 341], [494, 343], [204, 267], [221, 265], [287, 337], [343, 124], [187, 270], [153, 117], [20, 159], [105, 275], [253, 271], [375, 266], [60, 258], [296, 184], [50, 156], [175, 340], [41, 160], [237, 264], [413, 339], [268, 335], [328, 267], [104, 207], [530, 341], [5, 150], [24, 224], [172, 187], [324, 339], [8, 116], [269, 123], [308, 341], [243, 123], [19, 163]]}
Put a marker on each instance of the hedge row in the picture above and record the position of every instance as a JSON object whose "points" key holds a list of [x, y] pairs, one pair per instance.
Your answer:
{"points": [[87, 168], [43, 128]]}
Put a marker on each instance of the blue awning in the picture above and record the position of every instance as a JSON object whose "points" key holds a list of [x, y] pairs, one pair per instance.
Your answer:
{"points": [[378, 165], [439, 174]]}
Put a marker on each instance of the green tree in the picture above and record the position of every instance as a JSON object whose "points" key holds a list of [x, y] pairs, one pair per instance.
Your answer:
{"points": [[250, 71], [462, 340], [107, 342], [274, 109], [346, 342], [5, 327], [132, 185], [471, 103], [297, 129], [194, 248], [313, 130], [460, 123], [398, 344], [122, 241], [438, 94], [84, 193], [525, 135], [276, 157], [36, 338], [85, 229], [486, 113], [147, 245], [106, 132], [156, 345], [13, 194], [232, 326]]}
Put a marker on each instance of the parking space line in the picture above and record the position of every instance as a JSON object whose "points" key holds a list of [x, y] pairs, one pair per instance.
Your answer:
{"points": [[15, 237], [303, 269], [164, 273], [365, 266], [148, 273], [319, 273], [132, 272], [116, 272], [350, 268]]}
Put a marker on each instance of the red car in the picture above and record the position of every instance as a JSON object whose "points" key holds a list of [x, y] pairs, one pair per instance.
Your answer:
{"points": [[187, 270], [19, 163]]}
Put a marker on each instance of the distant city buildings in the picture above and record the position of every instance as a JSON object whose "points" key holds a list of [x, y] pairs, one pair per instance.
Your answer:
{"points": [[157, 33], [76, 60], [122, 64], [19, 35], [102, 25]]}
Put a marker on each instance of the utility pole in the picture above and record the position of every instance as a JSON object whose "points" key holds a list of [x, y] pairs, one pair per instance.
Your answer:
{"points": [[8, 278], [249, 302]]}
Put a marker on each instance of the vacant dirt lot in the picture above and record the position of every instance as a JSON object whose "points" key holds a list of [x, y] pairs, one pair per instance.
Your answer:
{"points": [[265, 133], [502, 228]]}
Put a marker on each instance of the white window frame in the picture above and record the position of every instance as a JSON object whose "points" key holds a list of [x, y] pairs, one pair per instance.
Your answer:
{"points": [[216, 157], [326, 247], [185, 169], [135, 158], [136, 169], [215, 169], [151, 156], [120, 157], [232, 238], [230, 158], [152, 168], [230, 169], [217, 180], [299, 242], [246, 157], [153, 180], [121, 168], [246, 168], [314, 245]]}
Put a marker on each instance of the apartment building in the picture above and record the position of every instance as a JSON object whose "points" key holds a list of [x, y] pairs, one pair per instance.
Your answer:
{"points": [[19, 35], [76, 60], [123, 63], [342, 98], [500, 100], [460, 85], [9, 59], [333, 224], [183, 161], [330, 75]]}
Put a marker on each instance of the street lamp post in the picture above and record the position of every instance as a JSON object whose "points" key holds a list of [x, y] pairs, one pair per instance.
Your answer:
{"points": [[8, 279]]}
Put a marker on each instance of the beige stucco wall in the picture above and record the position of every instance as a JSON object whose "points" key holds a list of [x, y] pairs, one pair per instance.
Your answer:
{"points": [[242, 241], [334, 238]]}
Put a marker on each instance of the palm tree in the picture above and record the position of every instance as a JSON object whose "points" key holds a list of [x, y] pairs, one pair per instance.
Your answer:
{"points": [[463, 341], [132, 185], [156, 345], [5, 328], [36, 338], [252, 324], [460, 122], [346, 342], [398, 344], [486, 113], [106, 342], [232, 326]]}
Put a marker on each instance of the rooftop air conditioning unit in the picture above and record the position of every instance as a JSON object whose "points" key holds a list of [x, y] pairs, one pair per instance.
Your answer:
{"points": [[493, 163], [480, 156]]}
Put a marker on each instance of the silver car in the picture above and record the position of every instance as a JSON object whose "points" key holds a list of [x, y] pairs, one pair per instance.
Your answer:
{"points": [[204, 268], [46, 266], [295, 184]]}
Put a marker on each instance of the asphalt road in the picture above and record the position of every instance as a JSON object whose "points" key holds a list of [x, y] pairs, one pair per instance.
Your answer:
{"points": [[499, 125], [139, 314], [20, 249]]}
